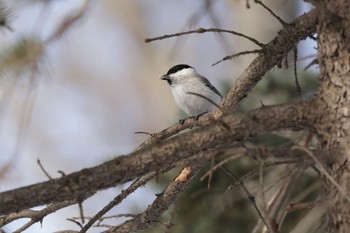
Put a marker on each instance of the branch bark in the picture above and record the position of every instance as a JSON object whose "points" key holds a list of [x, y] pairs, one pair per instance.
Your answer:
{"points": [[82, 184], [271, 55]]}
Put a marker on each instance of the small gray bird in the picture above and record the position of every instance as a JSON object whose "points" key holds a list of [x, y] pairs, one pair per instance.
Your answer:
{"points": [[192, 92]]}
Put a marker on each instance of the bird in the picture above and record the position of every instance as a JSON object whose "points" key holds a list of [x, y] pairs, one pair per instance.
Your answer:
{"points": [[192, 92]]}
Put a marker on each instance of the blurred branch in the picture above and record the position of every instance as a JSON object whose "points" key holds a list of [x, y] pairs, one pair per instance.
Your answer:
{"points": [[324, 172], [5, 16], [261, 203], [206, 9], [304, 205], [68, 22], [310, 219], [278, 203]]}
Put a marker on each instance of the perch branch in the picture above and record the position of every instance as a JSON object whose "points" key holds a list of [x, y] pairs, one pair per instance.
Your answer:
{"points": [[82, 184]]}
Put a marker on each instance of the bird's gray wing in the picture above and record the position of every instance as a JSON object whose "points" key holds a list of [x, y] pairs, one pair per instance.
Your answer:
{"points": [[208, 84]]}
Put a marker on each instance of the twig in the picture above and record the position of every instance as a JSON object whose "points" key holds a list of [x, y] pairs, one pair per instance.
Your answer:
{"points": [[204, 30], [267, 165], [75, 221], [236, 55], [250, 197], [143, 132], [101, 219], [161, 203], [324, 172], [313, 62], [136, 184], [212, 162], [310, 219], [43, 169], [34, 215], [277, 204], [307, 57], [271, 12], [81, 212], [304, 205], [279, 180], [218, 165], [295, 53], [261, 197]]}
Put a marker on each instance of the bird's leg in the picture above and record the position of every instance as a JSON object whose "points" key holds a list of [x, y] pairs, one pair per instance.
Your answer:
{"points": [[182, 121]]}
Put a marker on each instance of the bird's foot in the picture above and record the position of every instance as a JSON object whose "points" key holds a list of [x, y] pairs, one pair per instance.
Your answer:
{"points": [[182, 121], [196, 118]]}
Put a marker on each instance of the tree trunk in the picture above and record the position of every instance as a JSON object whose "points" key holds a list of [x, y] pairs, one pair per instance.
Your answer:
{"points": [[333, 103]]}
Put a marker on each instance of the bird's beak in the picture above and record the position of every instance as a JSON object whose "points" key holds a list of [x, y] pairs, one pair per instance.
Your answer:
{"points": [[165, 77]]}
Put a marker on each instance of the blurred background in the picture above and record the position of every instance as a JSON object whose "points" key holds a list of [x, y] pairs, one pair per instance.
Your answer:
{"points": [[78, 80]]}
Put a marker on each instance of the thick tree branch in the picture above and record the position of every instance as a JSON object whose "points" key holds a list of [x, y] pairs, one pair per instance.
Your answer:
{"points": [[82, 184], [272, 54]]}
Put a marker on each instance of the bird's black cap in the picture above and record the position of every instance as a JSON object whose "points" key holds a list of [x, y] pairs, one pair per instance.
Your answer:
{"points": [[176, 68]]}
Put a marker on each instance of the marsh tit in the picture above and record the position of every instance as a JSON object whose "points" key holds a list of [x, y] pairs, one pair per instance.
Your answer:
{"points": [[192, 92]]}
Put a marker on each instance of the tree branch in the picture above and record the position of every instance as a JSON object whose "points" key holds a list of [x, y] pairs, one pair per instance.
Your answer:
{"points": [[161, 203], [203, 30], [82, 184], [34, 215], [272, 54], [135, 185]]}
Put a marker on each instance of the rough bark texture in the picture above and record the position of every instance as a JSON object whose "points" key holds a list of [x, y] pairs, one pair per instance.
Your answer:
{"points": [[273, 54], [333, 107], [82, 184]]}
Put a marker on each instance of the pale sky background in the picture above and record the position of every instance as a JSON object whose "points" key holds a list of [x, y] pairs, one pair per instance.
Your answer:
{"points": [[98, 84]]}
